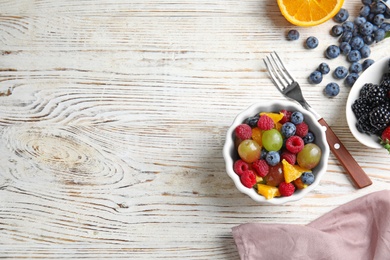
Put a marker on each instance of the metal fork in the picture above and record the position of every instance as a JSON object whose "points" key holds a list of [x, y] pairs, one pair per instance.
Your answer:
{"points": [[286, 84]]}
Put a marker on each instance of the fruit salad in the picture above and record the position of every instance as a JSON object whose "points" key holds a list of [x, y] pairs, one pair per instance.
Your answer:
{"points": [[276, 153]]}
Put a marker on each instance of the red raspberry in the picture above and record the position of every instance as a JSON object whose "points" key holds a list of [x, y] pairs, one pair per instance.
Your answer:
{"points": [[265, 123], [286, 189], [261, 167], [248, 178], [301, 129], [240, 167], [294, 144], [286, 116], [290, 157], [243, 131]]}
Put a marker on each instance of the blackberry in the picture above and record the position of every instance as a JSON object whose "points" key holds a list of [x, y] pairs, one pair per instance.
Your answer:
{"points": [[364, 126], [377, 95], [361, 107], [365, 90], [385, 83], [380, 117]]}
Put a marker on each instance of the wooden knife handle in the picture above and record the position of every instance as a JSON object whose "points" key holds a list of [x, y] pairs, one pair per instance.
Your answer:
{"points": [[357, 174]]}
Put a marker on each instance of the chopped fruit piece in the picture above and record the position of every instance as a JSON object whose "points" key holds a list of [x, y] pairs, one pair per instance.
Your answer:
{"points": [[292, 172], [268, 192], [256, 135], [276, 117]]}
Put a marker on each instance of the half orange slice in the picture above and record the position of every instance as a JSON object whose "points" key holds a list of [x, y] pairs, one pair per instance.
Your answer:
{"points": [[309, 12]]}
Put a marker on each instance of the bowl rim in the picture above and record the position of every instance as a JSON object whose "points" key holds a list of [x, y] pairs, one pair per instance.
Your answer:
{"points": [[372, 73], [229, 147]]}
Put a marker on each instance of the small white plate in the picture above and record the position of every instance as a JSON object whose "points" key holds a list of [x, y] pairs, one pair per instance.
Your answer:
{"points": [[371, 75]]}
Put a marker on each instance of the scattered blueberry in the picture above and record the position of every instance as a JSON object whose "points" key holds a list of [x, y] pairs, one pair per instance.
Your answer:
{"points": [[356, 67], [340, 72], [311, 42], [324, 68], [332, 89], [357, 43], [379, 35], [368, 39], [337, 30], [385, 26], [354, 55], [379, 19], [345, 48], [315, 77], [307, 178], [360, 20], [365, 51], [293, 35], [332, 52], [366, 29], [367, 63], [346, 36], [288, 129], [351, 78], [272, 158], [296, 117], [341, 16], [348, 26], [365, 10], [378, 7]]}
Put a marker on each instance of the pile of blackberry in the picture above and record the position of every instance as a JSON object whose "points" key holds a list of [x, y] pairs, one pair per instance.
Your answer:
{"points": [[372, 108]]}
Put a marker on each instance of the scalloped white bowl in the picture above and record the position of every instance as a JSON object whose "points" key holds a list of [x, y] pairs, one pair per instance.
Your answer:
{"points": [[372, 74], [230, 154]]}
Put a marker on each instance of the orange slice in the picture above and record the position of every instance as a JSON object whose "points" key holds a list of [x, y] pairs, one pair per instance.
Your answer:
{"points": [[292, 172], [276, 117], [309, 12], [268, 192]]}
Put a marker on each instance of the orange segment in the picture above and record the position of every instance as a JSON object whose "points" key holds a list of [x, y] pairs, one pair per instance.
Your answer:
{"points": [[309, 12], [256, 135], [276, 117], [268, 192], [292, 172]]}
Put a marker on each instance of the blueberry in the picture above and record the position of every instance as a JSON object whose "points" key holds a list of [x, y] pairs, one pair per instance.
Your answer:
{"points": [[332, 52], [357, 43], [263, 153], [341, 16], [356, 67], [351, 78], [297, 117], [367, 2], [324, 68], [379, 19], [348, 26], [315, 77], [385, 26], [346, 36], [365, 51], [368, 39], [293, 35], [367, 63], [337, 30], [252, 121], [360, 20], [354, 55], [345, 48], [307, 178], [309, 138], [288, 129], [332, 89], [378, 8], [272, 158], [379, 35], [366, 29], [340, 72], [365, 10], [311, 42]]}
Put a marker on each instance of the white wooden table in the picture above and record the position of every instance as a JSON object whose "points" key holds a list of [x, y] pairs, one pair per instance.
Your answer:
{"points": [[113, 116]]}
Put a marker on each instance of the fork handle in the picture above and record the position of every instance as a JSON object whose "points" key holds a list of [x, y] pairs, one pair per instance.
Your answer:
{"points": [[357, 174]]}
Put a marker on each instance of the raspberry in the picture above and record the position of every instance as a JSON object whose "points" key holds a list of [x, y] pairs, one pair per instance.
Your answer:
{"points": [[291, 158], [265, 123], [301, 129], [286, 116], [243, 131], [248, 178], [261, 167], [294, 144], [240, 167], [286, 189]]}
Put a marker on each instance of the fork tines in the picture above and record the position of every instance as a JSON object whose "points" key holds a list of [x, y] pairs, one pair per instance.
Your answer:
{"points": [[278, 72]]}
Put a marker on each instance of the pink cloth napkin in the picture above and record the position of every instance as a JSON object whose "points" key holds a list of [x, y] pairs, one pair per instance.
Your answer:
{"points": [[359, 229]]}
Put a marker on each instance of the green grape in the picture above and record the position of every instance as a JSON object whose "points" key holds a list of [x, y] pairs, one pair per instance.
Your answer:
{"points": [[249, 151], [310, 156], [272, 140], [275, 175]]}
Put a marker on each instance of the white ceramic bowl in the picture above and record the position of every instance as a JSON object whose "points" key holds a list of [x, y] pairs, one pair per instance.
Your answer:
{"points": [[371, 75], [230, 154]]}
